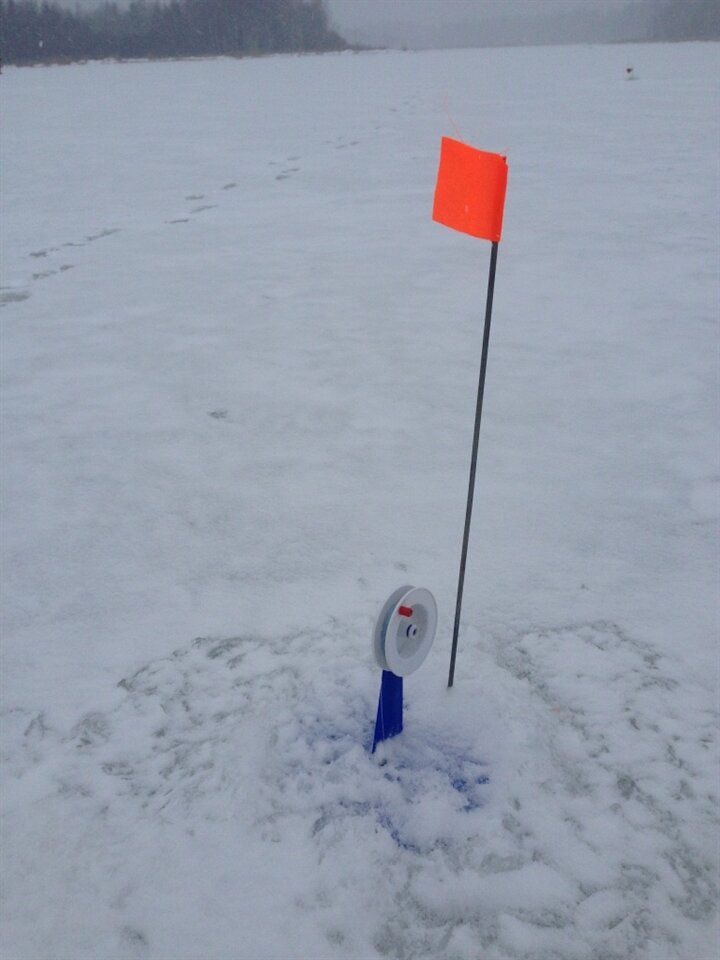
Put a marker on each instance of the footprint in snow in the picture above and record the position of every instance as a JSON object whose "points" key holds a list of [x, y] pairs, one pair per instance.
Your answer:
{"points": [[42, 274], [136, 940], [91, 238], [12, 296], [107, 232]]}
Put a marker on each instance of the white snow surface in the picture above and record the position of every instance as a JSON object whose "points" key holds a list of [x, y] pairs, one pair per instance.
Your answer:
{"points": [[239, 372]]}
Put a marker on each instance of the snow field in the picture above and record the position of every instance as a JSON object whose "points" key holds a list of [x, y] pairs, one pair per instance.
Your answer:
{"points": [[239, 365]]}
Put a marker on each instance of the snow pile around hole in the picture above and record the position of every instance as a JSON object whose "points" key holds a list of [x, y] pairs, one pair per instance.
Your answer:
{"points": [[572, 836]]}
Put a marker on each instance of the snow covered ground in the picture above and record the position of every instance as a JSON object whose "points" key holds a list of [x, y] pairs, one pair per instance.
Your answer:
{"points": [[239, 369]]}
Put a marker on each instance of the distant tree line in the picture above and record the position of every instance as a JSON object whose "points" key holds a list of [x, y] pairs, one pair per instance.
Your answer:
{"points": [[32, 32], [687, 20], [661, 21]]}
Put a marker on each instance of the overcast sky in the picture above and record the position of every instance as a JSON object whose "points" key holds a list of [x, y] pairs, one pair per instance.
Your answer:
{"points": [[449, 22]]}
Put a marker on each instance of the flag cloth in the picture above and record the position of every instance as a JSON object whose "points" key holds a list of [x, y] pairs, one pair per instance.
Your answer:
{"points": [[470, 190]]}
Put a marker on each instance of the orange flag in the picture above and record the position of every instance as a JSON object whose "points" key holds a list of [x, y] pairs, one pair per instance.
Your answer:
{"points": [[470, 190]]}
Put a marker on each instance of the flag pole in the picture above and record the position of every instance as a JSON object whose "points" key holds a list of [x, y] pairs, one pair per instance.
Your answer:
{"points": [[473, 460]]}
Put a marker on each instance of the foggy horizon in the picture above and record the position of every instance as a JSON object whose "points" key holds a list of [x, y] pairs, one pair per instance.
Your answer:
{"points": [[439, 23], [422, 24]]}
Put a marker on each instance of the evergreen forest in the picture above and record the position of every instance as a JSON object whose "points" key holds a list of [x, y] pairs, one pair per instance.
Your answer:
{"points": [[32, 32]]}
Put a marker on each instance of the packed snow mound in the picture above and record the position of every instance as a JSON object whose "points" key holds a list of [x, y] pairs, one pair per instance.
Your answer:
{"points": [[573, 832]]}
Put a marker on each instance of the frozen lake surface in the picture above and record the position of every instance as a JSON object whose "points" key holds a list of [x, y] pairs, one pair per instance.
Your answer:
{"points": [[239, 365]]}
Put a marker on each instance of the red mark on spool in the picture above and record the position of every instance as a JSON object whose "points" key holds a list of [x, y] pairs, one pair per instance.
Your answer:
{"points": [[405, 611]]}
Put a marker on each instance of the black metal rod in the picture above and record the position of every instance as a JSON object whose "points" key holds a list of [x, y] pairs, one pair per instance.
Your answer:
{"points": [[473, 460]]}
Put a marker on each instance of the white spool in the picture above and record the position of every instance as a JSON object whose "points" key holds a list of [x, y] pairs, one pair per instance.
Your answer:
{"points": [[405, 630]]}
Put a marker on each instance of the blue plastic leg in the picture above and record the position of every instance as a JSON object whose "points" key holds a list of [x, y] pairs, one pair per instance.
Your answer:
{"points": [[390, 709]]}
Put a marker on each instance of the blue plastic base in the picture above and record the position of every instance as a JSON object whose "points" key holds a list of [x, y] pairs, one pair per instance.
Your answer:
{"points": [[389, 720]]}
